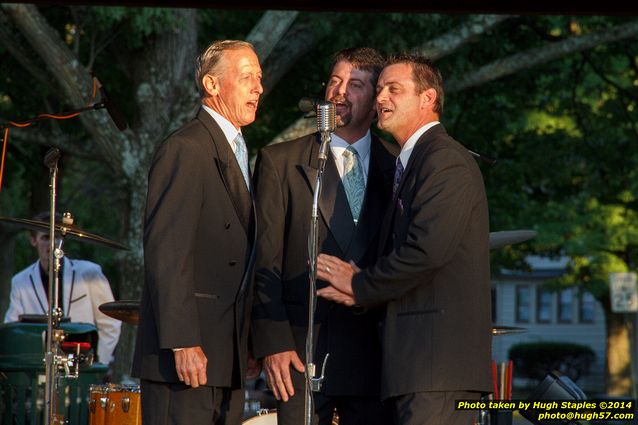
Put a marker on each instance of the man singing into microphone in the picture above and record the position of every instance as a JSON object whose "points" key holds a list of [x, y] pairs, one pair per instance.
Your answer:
{"points": [[356, 188]]}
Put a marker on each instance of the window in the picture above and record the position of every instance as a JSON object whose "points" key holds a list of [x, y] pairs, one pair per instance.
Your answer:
{"points": [[586, 307], [522, 303], [544, 306], [566, 305]]}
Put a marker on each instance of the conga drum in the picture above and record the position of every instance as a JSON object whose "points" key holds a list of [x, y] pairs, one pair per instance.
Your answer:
{"points": [[123, 406], [98, 397]]}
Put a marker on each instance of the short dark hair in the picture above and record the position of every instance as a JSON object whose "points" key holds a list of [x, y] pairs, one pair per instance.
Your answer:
{"points": [[424, 73], [44, 216], [362, 58]]}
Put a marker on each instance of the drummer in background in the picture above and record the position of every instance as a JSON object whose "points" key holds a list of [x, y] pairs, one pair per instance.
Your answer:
{"points": [[83, 288]]}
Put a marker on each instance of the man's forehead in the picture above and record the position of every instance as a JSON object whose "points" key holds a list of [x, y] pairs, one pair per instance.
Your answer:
{"points": [[351, 71], [398, 73]]}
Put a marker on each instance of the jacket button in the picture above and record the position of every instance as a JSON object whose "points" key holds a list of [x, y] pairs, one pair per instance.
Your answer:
{"points": [[227, 226], [232, 262]]}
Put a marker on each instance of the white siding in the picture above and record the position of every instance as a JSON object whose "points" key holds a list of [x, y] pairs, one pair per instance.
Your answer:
{"points": [[590, 334]]}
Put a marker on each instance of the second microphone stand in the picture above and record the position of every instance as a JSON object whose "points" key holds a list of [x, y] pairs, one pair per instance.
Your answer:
{"points": [[326, 123]]}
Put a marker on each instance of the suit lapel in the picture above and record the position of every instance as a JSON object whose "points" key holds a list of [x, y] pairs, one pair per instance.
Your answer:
{"points": [[229, 171], [378, 193], [420, 145], [333, 203], [36, 282], [69, 285]]}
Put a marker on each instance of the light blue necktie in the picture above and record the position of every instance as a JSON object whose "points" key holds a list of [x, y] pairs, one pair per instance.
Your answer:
{"points": [[353, 181], [241, 153]]}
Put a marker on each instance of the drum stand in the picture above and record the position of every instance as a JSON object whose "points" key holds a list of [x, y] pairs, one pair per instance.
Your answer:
{"points": [[55, 359], [314, 383]]}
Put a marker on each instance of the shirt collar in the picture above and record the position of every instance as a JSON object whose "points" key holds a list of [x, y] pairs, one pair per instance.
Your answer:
{"points": [[408, 147], [228, 129], [362, 145]]}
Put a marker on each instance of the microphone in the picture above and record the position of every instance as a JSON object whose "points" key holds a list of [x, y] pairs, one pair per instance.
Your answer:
{"points": [[326, 116], [326, 124], [114, 112], [486, 159], [308, 104], [51, 157]]}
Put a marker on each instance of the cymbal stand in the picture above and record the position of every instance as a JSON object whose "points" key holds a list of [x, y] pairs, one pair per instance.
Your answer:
{"points": [[55, 359], [314, 383]]}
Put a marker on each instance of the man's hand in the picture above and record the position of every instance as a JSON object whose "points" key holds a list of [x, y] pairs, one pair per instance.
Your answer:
{"points": [[190, 364], [338, 273], [277, 368], [333, 294]]}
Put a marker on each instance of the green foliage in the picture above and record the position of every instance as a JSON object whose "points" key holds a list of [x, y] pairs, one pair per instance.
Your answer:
{"points": [[137, 23], [537, 359], [564, 132]]}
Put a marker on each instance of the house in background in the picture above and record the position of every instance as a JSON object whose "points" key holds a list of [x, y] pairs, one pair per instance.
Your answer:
{"points": [[571, 315]]}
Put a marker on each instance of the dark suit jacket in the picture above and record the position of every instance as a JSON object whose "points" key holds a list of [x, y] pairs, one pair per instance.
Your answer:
{"points": [[285, 176], [435, 275], [198, 241]]}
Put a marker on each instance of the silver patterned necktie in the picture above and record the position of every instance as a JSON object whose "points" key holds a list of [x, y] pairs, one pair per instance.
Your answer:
{"points": [[353, 181], [241, 153]]}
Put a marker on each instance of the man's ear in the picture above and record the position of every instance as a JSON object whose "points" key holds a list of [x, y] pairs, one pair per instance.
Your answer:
{"points": [[428, 98], [33, 240], [210, 84]]}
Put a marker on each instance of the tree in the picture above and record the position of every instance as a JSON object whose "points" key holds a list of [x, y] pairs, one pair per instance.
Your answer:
{"points": [[507, 79]]}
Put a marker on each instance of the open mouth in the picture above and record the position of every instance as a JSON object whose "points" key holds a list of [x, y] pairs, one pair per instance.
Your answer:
{"points": [[341, 107], [252, 104], [382, 110]]}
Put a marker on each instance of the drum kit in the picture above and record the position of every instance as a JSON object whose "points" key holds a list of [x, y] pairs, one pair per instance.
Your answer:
{"points": [[111, 404]]}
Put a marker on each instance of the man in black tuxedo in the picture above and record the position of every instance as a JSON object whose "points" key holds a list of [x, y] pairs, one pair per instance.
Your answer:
{"points": [[433, 274], [356, 187], [199, 238]]}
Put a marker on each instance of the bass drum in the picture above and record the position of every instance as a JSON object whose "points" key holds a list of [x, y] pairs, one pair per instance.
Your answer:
{"points": [[270, 418], [263, 419]]}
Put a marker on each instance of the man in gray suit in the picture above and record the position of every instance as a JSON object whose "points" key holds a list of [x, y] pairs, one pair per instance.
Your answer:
{"points": [[356, 187], [434, 275], [199, 237]]}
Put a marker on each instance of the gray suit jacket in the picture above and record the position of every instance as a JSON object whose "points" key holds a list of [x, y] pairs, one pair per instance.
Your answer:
{"points": [[434, 275]]}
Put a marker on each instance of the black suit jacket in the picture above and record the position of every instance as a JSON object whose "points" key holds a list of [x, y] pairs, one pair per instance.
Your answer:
{"points": [[285, 177], [435, 275], [198, 242]]}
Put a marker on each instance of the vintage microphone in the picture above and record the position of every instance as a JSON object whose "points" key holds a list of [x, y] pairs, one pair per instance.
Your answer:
{"points": [[326, 124], [114, 112]]}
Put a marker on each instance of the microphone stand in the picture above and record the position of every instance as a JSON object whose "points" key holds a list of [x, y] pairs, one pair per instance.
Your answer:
{"points": [[314, 383], [95, 106]]}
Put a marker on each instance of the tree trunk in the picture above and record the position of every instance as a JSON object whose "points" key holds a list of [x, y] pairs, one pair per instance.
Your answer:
{"points": [[7, 265], [618, 373]]}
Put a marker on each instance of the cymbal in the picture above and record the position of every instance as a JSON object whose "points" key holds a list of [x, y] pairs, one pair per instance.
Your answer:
{"points": [[509, 237], [126, 311], [505, 330], [65, 230]]}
